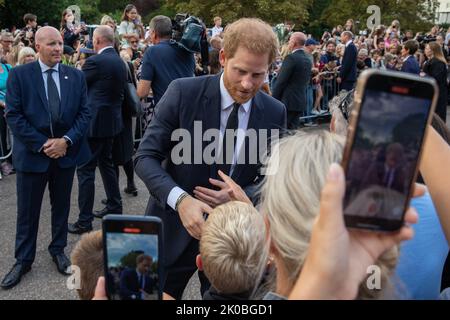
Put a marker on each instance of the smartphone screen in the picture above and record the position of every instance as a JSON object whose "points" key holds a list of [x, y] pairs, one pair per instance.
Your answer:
{"points": [[385, 142], [132, 257]]}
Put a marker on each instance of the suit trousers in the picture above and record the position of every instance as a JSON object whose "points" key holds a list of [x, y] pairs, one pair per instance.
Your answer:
{"points": [[30, 191], [101, 149]]}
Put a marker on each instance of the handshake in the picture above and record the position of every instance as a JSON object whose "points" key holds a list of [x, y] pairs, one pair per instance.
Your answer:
{"points": [[55, 148]]}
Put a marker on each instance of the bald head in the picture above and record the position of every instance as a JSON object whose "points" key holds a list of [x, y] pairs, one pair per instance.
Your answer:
{"points": [[103, 37], [45, 33], [297, 40]]}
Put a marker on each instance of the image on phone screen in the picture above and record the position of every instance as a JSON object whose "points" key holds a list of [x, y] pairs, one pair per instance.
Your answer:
{"points": [[384, 155], [132, 265]]}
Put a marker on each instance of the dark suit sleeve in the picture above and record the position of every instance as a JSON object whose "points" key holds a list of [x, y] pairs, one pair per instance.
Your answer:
{"points": [[287, 68], [17, 121], [156, 145], [90, 71], [81, 123], [125, 284], [347, 62]]}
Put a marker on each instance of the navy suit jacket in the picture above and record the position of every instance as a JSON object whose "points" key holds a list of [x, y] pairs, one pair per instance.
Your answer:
{"points": [[106, 77], [185, 101], [129, 285], [292, 81], [411, 66], [348, 72], [28, 116]]}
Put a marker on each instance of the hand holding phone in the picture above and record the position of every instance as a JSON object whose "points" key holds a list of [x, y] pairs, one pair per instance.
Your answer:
{"points": [[390, 118], [132, 257]]}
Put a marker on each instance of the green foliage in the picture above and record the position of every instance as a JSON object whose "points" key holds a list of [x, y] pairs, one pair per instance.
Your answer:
{"points": [[272, 11], [129, 260], [417, 15]]}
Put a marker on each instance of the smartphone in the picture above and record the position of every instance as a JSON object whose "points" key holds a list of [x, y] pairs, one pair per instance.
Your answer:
{"points": [[388, 126], [132, 247]]}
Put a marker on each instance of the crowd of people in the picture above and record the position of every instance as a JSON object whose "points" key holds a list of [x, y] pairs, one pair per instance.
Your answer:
{"points": [[69, 96]]}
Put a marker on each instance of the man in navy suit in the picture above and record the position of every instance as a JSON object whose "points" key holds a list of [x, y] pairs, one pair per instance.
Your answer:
{"points": [[182, 192], [106, 76], [135, 284], [348, 72], [410, 63], [47, 112]]}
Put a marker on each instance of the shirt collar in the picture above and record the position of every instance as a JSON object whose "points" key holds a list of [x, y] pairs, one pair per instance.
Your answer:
{"points": [[348, 43], [407, 58], [105, 48], [226, 99], [298, 49], [45, 67]]}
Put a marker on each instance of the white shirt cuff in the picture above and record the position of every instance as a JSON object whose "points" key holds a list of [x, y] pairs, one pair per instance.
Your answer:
{"points": [[174, 194]]}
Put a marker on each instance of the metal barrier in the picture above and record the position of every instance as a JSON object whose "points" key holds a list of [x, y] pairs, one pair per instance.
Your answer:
{"points": [[329, 87], [6, 141]]}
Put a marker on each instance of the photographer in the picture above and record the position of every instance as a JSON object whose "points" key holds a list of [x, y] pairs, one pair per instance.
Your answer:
{"points": [[164, 61]]}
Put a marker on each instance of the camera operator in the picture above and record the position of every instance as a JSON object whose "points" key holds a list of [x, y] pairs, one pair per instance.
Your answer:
{"points": [[164, 61]]}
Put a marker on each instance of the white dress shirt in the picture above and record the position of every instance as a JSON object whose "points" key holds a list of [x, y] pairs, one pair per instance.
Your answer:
{"points": [[226, 107]]}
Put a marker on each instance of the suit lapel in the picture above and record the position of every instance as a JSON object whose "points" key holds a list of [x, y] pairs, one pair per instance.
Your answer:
{"points": [[64, 83], [211, 113], [39, 82]]}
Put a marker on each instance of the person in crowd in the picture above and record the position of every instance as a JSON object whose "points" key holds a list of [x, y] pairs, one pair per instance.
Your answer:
{"points": [[110, 22], [420, 277], [163, 62], [233, 252], [26, 35], [293, 79], [130, 24], [390, 61], [45, 152], [224, 103], [217, 29], [290, 208], [123, 146], [347, 72], [26, 55], [363, 55], [134, 51], [350, 26], [436, 67], [106, 76], [330, 54], [6, 167], [6, 40], [216, 42], [71, 33], [87, 255], [136, 284], [214, 62], [310, 47], [377, 35], [410, 63]]}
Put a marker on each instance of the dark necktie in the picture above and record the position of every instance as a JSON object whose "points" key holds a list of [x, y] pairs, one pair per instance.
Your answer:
{"points": [[53, 96], [227, 146]]}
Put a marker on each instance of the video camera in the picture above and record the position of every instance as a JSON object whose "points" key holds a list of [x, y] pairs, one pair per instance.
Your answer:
{"points": [[189, 33]]}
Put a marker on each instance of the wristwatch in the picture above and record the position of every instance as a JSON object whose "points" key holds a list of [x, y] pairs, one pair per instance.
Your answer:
{"points": [[68, 142]]}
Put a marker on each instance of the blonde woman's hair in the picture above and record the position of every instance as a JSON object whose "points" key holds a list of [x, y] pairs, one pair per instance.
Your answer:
{"points": [[252, 34], [234, 249], [25, 51], [291, 198], [437, 51], [107, 19]]}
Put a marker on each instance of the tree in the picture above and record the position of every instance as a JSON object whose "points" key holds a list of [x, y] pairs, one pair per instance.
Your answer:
{"points": [[272, 11], [417, 15]]}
